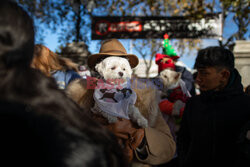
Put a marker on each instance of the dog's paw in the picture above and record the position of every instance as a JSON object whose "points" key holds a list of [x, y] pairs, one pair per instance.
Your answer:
{"points": [[142, 122]]}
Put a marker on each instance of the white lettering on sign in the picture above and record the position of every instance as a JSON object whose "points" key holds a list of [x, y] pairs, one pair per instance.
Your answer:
{"points": [[202, 24]]}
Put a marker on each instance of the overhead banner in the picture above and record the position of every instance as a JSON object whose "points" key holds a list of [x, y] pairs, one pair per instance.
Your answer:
{"points": [[210, 26]]}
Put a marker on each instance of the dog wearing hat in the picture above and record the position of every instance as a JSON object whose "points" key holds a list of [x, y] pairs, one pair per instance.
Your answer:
{"points": [[174, 94], [112, 95], [174, 88]]}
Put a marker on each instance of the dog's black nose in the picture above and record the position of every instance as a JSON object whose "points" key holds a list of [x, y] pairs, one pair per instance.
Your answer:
{"points": [[120, 73]]}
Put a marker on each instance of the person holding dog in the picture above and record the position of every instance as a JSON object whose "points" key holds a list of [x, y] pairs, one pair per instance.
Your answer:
{"points": [[212, 121], [152, 145]]}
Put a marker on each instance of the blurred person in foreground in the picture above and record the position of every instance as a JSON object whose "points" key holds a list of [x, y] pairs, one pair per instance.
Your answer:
{"points": [[40, 126], [63, 70], [212, 121]]}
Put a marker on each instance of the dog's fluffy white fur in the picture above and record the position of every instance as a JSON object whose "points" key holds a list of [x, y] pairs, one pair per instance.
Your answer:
{"points": [[118, 68], [170, 78], [114, 68]]}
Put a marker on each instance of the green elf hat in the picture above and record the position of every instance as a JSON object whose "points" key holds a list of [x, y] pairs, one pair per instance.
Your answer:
{"points": [[168, 49]]}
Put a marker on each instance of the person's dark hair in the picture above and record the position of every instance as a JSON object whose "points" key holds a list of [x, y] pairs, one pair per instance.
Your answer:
{"points": [[16, 35], [215, 56]]}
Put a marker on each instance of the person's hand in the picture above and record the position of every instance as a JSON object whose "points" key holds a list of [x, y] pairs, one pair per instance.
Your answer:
{"points": [[129, 135]]}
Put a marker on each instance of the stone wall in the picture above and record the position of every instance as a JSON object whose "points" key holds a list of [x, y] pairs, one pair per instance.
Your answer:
{"points": [[242, 60]]}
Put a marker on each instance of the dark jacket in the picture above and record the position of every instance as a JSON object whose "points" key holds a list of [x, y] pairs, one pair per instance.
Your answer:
{"points": [[244, 144], [211, 126]]}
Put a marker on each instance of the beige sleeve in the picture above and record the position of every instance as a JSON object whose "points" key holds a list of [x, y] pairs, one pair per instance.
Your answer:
{"points": [[160, 146]]}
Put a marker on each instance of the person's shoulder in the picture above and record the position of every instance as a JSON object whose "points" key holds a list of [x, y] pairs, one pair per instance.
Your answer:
{"points": [[247, 99], [242, 101], [244, 97]]}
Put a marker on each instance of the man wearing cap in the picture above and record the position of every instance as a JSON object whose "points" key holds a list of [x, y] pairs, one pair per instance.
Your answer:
{"points": [[153, 145]]}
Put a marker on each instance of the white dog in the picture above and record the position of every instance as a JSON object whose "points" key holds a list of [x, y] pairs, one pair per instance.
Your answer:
{"points": [[170, 79], [173, 84], [114, 99]]}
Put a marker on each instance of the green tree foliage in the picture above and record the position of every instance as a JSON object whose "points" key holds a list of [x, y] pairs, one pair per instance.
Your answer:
{"points": [[238, 10], [69, 18]]}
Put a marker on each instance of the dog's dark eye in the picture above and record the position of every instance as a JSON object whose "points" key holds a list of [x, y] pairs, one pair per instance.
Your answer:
{"points": [[124, 69], [112, 68], [165, 76]]}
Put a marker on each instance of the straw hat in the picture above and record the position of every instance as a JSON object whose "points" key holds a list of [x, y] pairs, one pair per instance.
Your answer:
{"points": [[112, 47]]}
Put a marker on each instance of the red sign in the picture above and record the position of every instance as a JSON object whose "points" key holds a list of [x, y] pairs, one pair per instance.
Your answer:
{"points": [[103, 27]]}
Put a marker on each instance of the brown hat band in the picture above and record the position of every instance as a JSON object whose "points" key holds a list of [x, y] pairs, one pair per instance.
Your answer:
{"points": [[114, 51]]}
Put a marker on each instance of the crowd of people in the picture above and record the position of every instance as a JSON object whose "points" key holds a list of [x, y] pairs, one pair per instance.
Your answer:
{"points": [[46, 117]]}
